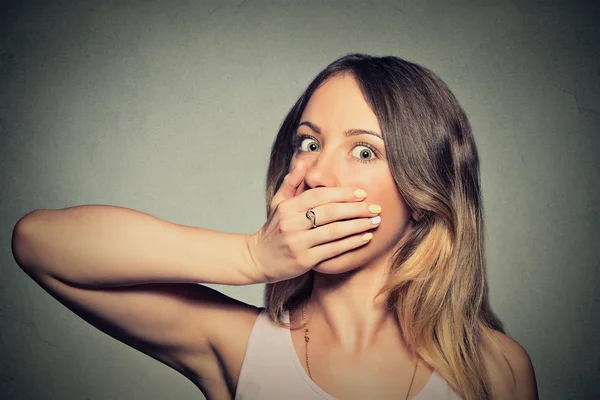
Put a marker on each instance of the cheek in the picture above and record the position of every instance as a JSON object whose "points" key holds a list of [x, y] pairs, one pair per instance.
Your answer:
{"points": [[382, 190], [394, 209]]}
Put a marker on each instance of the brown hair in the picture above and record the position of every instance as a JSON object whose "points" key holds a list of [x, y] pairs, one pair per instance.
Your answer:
{"points": [[436, 284]]}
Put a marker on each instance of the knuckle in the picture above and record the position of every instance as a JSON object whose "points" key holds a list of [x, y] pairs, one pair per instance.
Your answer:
{"points": [[288, 244], [280, 228], [284, 226], [292, 254], [293, 250]]}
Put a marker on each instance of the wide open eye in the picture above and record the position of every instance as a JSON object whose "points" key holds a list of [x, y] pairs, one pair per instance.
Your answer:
{"points": [[308, 144], [363, 153]]}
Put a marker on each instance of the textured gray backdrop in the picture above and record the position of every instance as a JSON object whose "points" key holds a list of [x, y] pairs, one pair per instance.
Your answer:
{"points": [[170, 107]]}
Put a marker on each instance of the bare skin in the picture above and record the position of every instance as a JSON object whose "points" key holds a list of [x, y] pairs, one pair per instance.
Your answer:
{"points": [[134, 276]]}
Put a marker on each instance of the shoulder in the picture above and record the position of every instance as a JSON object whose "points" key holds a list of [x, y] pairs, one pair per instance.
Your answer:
{"points": [[510, 370]]}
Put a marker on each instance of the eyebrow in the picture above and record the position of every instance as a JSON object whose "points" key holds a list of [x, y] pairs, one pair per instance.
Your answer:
{"points": [[347, 133]]}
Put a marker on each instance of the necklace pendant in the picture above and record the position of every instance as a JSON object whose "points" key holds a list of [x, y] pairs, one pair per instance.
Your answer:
{"points": [[306, 339]]}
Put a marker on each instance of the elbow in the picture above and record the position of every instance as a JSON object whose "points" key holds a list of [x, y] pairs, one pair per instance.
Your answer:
{"points": [[22, 243]]}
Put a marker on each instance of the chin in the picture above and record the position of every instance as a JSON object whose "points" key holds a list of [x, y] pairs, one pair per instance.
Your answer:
{"points": [[377, 255], [345, 262]]}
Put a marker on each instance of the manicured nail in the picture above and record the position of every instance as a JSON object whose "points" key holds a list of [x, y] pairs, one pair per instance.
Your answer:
{"points": [[375, 208], [375, 220], [367, 237], [361, 194]]}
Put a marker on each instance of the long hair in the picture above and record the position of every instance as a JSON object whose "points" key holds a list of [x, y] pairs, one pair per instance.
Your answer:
{"points": [[436, 284]]}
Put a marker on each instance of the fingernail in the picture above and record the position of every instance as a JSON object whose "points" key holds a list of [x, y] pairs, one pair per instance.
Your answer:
{"points": [[375, 220], [361, 194], [367, 236], [375, 208]]}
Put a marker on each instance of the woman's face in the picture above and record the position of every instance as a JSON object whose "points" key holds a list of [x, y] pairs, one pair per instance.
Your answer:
{"points": [[335, 143]]}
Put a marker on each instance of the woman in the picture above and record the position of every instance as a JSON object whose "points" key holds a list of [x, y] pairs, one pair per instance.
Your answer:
{"points": [[372, 252]]}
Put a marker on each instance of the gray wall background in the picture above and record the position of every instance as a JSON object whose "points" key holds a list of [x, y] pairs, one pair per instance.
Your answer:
{"points": [[170, 107]]}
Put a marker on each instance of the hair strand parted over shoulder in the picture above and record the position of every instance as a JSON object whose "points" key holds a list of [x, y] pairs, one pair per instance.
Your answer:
{"points": [[436, 284]]}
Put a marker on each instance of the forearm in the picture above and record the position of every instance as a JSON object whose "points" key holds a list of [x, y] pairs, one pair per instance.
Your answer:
{"points": [[106, 246]]}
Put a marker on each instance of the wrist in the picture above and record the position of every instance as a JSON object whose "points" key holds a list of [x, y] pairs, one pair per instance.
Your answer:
{"points": [[252, 269]]}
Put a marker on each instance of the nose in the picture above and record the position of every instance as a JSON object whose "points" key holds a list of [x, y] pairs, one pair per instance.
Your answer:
{"points": [[323, 170]]}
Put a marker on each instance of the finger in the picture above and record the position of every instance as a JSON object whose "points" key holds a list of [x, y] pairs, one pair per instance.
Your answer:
{"points": [[329, 250], [337, 230], [323, 195], [300, 187], [290, 183], [333, 212]]}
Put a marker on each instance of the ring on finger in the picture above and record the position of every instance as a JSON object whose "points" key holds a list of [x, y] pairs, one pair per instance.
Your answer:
{"points": [[310, 214]]}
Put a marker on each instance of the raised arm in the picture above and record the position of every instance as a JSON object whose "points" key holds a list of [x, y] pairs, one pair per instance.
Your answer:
{"points": [[135, 276], [97, 246]]}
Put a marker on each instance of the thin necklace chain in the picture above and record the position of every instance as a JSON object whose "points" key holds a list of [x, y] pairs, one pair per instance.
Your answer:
{"points": [[307, 339]]}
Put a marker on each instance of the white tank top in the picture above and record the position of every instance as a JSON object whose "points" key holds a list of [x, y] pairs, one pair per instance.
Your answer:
{"points": [[271, 369]]}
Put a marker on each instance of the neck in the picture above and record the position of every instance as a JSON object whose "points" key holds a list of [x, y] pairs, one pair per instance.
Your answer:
{"points": [[345, 310]]}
